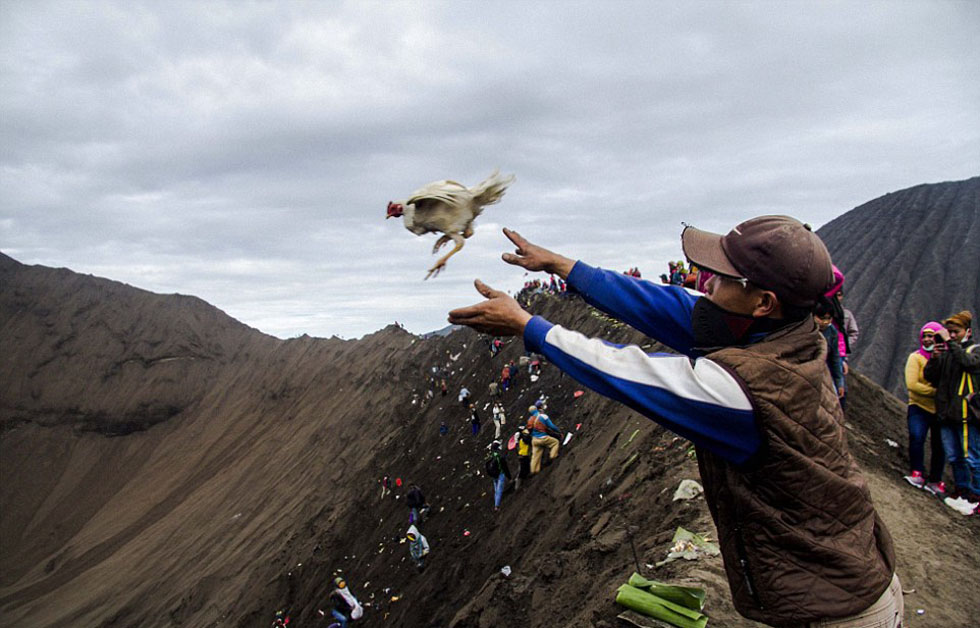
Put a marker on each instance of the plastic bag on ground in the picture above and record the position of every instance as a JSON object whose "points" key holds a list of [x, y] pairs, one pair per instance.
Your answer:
{"points": [[688, 489]]}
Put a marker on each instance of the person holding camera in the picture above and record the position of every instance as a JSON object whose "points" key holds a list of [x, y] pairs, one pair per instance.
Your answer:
{"points": [[955, 372], [800, 538]]}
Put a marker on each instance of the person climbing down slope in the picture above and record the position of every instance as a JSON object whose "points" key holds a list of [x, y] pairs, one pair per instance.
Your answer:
{"points": [[498, 471], [474, 420], [345, 605], [416, 504], [922, 419], [499, 419], [523, 455], [540, 426], [418, 547]]}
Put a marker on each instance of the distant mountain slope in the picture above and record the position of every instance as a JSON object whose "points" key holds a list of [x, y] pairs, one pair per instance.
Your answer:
{"points": [[101, 355], [910, 256]]}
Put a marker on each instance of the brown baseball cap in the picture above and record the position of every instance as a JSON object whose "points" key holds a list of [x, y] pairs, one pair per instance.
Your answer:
{"points": [[776, 253]]}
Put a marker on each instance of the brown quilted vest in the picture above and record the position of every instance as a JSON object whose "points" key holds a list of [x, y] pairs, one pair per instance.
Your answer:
{"points": [[799, 535]]}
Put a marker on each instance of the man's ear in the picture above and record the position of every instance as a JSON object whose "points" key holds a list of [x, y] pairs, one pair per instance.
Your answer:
{"points": [[767, 305]]}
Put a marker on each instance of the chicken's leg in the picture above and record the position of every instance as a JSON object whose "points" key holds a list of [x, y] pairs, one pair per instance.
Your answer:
{"points": [[458, 240], [439, 243]]}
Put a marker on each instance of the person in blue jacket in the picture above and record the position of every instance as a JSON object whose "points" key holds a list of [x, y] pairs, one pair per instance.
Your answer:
{"points": [[800, 537], [544, 435]]}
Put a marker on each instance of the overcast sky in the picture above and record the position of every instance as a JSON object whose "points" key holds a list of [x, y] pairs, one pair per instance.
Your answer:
{"points": [[245, 153]]}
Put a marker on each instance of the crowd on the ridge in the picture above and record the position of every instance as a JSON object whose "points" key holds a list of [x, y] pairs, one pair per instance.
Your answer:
{"points": [[942, 377]]}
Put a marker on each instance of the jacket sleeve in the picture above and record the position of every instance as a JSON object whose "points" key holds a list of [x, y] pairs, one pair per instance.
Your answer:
{"points": [[659, 311], [914, 381], [697, 399], [967, 357], [851, 329], [550, 425]]}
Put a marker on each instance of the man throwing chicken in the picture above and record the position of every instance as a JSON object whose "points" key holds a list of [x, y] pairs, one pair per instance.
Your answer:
{"points": [[801, 540]]}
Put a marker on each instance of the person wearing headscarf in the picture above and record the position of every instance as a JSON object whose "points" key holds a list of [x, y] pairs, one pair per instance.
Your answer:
{"points": [[922, 416]]}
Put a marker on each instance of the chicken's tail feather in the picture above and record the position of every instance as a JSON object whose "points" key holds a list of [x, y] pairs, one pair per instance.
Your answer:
{"points": [[491, 189]]}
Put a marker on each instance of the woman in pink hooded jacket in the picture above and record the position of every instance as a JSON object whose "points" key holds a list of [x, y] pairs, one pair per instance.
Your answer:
{"points": [[922, 416]]}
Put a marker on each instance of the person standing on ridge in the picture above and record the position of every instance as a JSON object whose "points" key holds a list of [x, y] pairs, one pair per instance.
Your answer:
{"points": [[845, 323], [800, 538], [464, 396], [922, 419], [955, 372], [824, 318], [541, 437]]}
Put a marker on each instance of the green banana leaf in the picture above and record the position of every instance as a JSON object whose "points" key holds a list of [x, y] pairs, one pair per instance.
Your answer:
{"points": [[664, 610], [689, 597]]}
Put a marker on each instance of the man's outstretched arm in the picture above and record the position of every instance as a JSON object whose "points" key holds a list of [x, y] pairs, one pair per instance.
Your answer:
{"points": [[661, 312], [699, 400]]}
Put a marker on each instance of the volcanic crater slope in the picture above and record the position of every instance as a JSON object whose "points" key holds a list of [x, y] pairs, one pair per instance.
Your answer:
{"points": [[165, 465], [909, 257]]}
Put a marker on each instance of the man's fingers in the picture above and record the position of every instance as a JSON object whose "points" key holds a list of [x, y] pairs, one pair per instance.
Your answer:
{"points": [[466, 313], [516, 238], [486, 290], [510, 258]]}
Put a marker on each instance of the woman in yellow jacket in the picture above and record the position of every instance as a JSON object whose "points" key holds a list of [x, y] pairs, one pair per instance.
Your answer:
{"points": [[922, 416]]}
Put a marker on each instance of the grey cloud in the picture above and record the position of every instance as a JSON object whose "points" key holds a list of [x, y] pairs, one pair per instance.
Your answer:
{"points": [[244, 153]]}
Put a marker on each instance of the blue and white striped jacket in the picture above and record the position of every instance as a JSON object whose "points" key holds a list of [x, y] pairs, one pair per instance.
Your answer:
{"points": [[692, 396]]}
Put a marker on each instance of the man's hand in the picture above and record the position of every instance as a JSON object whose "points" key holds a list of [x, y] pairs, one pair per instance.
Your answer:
{"points": [[943, 333], [499, 315], [534, 257]]}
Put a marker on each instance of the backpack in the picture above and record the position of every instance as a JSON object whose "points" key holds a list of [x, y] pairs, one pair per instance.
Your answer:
{"points": [[493, 466]]}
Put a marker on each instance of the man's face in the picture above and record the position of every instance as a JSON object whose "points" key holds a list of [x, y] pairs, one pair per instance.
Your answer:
{"points": [[823, 322], [731, 294], [956, 332]]}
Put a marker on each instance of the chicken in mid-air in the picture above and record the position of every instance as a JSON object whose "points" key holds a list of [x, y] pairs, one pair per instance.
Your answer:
{"points": [[449, 208]]}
